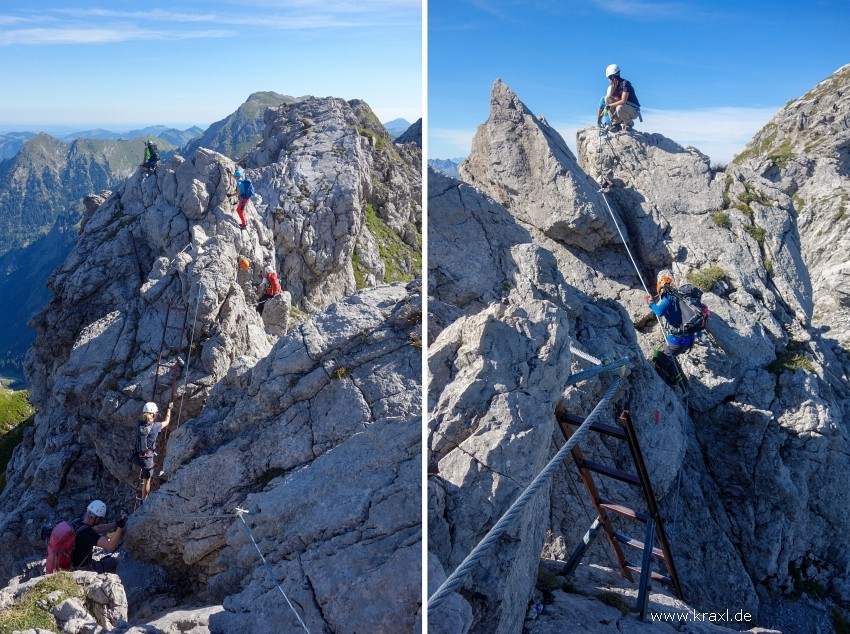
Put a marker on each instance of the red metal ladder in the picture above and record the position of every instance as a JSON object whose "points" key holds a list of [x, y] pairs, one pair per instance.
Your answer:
{"points": [[654, 530]]}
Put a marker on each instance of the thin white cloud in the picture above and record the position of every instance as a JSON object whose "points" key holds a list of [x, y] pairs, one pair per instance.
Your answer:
{"points": [[449, 142], [643, 9], [74, 26], [101, 35], [152, 15]]}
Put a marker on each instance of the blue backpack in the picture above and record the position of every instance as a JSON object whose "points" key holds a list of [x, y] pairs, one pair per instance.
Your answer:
{"points": [[247, 188]]}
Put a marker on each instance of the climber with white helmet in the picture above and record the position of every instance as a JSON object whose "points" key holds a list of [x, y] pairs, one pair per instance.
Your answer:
{"points": [[144, 452], [620, 101], [90, 533], [244, 190], [269, 287]]}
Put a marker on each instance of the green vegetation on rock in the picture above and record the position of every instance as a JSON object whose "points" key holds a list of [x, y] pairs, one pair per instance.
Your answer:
{"points": [[16, 415], [705, 279], [402, 262], [756, 232], [790, 360], [720, 219], [28, 613]]}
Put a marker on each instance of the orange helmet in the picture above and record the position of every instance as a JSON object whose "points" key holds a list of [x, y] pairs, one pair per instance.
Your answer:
{"points": [[664, 277], [244, 263]]}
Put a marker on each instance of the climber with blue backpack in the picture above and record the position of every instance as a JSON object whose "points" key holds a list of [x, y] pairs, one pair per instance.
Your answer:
{"points": [[245, 190], [686, 317]]}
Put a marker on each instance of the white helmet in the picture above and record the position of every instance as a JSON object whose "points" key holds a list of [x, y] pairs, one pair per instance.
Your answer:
{"points": [[96, 508], [269, 269], [612, 69], [150, 408]]}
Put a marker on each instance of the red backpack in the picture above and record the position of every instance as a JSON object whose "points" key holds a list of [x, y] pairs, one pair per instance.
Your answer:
{"points": [[274, 284], [60, 546]]}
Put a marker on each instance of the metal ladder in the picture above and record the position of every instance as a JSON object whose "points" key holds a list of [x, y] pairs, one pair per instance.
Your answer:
{"points": [[654, 527], [168, 366]]}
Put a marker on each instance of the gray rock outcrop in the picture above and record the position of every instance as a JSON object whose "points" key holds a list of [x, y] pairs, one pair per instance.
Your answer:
{"points": [[758, 521], [320, 437], [412, 135], [534, 174], [266, 413], [335, 234], [97, 605]]}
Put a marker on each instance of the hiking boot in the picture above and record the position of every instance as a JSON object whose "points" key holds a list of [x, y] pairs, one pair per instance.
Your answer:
{"points": [[243, 227]]}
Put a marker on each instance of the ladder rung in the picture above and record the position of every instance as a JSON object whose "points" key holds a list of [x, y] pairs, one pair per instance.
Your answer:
{"points": [[656, 576], [609, 430], [623, 510], [622, 476], [636, 544]]}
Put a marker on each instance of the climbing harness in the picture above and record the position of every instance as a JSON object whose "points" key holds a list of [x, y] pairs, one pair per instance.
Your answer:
{"points": [[628, 251]]}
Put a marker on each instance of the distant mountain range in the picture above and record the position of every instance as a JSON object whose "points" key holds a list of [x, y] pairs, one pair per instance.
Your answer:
{"points": [[239, 132], [43, 180], [446, 166], [397, 127]]}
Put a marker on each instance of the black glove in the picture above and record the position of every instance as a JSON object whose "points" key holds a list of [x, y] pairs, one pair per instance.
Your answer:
{"points": [[121, 521]]}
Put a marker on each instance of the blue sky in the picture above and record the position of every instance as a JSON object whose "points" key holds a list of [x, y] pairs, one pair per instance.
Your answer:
{"points": [[708, 74], [115, 64]]}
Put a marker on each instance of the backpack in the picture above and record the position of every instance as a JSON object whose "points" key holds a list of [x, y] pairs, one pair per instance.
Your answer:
{"points": [[154, 150], [60, 546], [274, 284], [247, 188], [695, 314], [142, 433]]}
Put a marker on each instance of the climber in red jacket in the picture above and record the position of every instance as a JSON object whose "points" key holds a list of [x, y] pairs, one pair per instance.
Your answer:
{"points": [[269, 287]]}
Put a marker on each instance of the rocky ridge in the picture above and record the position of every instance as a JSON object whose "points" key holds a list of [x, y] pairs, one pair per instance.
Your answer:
{"points": [[752, 526], [273, 420]]}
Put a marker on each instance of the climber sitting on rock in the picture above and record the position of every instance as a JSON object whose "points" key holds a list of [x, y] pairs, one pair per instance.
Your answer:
{"points": [[91, 533], [144, 452], [621, 100], [677, 341], [244, 190], [151, 157], [269, 287]]}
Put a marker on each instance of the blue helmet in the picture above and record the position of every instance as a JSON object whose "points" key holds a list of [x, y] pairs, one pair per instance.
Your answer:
{"points": [[238, 173]]}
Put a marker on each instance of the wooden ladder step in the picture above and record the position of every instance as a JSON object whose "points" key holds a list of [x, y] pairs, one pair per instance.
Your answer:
{"points": [[623, 510], [637, 544], [605, 470], [656, 576], [608, 430]]}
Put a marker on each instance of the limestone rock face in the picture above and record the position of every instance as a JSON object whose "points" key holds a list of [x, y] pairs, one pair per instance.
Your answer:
{"points": [[276, 313], [747, 468], [321, 437], [525, 165], [332, 233], [803, 153], [264, 416], [412, 135], [164, 240]]}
